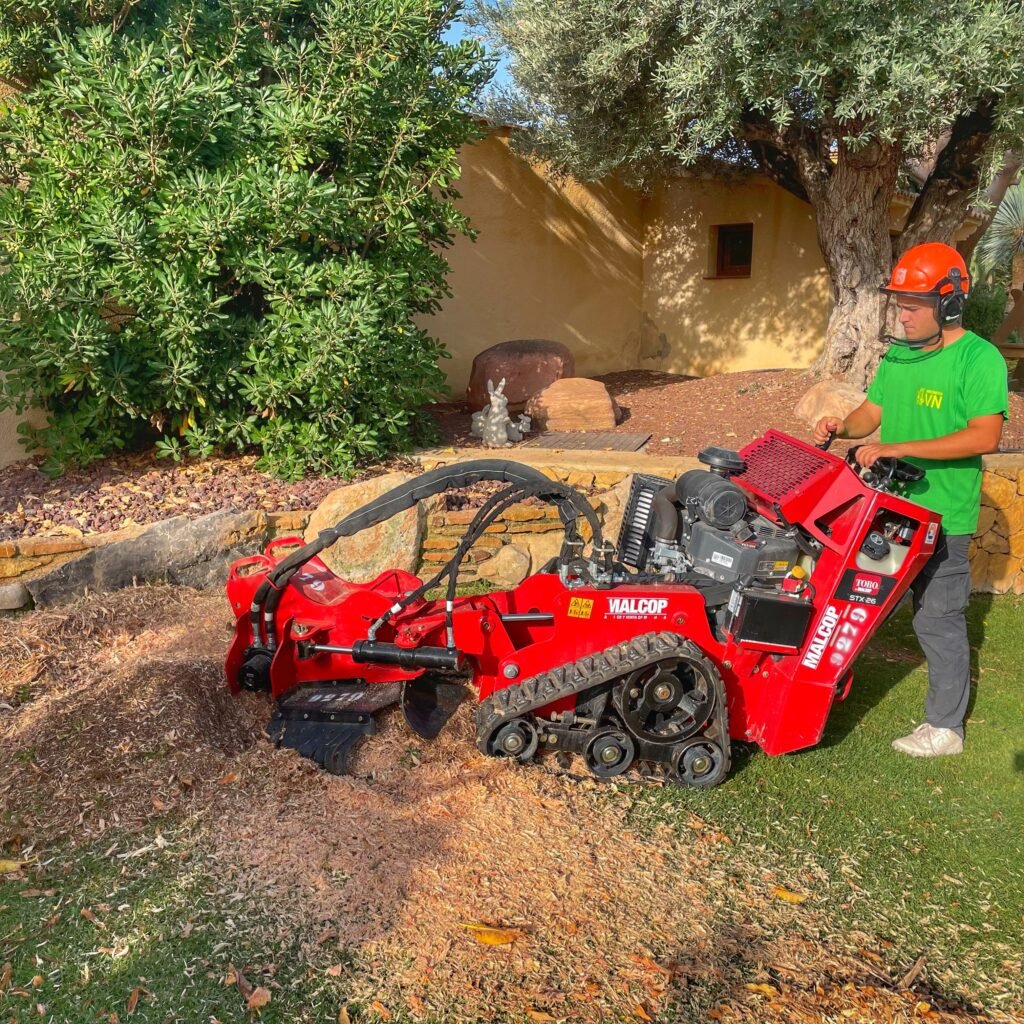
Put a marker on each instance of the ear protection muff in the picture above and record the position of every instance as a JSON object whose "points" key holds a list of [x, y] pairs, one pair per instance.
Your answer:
{"points": [[951, 307]]}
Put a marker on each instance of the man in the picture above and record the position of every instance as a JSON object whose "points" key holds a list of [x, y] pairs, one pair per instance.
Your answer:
{"points": [[940, 396]]}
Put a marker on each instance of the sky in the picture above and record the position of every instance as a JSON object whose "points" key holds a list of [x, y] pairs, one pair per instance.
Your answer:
{"points": [[458, 31]]}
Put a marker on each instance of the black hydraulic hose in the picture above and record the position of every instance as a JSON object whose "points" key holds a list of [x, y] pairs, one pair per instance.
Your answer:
{"points": [[268, 594], [398, 499]]}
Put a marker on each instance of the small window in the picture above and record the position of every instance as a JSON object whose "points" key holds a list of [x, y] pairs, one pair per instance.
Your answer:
{"points": [[734, 244]]}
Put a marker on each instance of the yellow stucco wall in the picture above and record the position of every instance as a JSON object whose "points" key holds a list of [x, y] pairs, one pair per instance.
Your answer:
{"points": [[10, 443], [555, 260], [695, 323]]}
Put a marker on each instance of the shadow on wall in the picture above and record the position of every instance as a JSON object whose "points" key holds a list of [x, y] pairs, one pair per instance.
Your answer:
{"points": [[554, 259], [699, 323]]}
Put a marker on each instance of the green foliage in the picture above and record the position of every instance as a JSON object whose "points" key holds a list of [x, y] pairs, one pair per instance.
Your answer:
{"points": [[27, 26], [1003, 241], [986, 308], [222, 221], [608, 85]]}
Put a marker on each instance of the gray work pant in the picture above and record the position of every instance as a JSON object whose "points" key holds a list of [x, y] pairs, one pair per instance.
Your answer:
{"points": [[941, 593]]}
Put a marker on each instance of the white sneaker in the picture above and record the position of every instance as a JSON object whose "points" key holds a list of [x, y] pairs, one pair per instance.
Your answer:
{"points": [[928, 741]]}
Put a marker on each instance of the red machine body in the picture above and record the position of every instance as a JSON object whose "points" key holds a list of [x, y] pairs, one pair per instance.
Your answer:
{"points": [[784, 653]]}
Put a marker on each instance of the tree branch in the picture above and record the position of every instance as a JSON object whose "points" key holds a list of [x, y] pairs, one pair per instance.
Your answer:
{"points": [[942, 204]]}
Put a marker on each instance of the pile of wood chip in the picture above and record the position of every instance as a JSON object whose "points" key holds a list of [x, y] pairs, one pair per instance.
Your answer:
{"points": [[113, 711], [442, 884]]}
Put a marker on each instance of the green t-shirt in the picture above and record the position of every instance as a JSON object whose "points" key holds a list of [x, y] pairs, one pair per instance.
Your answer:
{"points": [[931, 394]]}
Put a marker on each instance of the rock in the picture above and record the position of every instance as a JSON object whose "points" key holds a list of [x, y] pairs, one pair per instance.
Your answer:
{"points": [[508, 567], [392, 544], [997, 491], [828, 398], [541, 547], [573, 403], [527, 366], [188, 552], [14, 596], [613, 507]]}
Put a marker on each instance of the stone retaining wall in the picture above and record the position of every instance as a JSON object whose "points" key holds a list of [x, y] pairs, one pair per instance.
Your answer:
{"points": [[534, 530]]}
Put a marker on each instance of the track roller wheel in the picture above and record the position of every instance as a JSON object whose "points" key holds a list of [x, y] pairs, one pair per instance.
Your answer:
{"points": [[609, 753], [699, 763], [516, 739]]}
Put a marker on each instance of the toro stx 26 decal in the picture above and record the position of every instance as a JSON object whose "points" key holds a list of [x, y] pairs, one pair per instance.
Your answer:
{"points": [[731, 608]]}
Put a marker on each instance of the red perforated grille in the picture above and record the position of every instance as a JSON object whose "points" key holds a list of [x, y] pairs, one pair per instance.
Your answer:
{"points": [[777, 468]]}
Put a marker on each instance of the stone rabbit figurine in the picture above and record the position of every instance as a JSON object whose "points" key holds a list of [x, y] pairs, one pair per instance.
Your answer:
{"points": [[493, 425]]}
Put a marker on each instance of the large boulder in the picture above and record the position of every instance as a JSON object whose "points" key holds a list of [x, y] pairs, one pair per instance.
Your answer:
{"points": [[573, 403], [833, 398], [392, 544], [508, 567], [526, 366]]}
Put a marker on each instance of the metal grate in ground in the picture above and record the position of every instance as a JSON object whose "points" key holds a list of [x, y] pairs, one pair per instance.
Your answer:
{"points": [[590, 440]]}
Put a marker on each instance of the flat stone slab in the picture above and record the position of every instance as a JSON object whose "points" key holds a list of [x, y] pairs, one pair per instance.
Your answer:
{"points": [[183, 551], [590, 440]]}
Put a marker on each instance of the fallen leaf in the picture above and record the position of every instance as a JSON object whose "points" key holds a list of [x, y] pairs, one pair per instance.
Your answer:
{"points": [[487, 935], [187, 930], [539, 1017], [37, 981], [647, 962], [5, 977], [160, 805], [381, 1010], [92, 918], [133, 1000], [7, 866], [335, 971], [763, 990], [326, 936], [260, 997], [343, 1017], [642, 1013], [31, 893], [787, 896], [922, 1009], [416, 1005], [227, 780], [51, 921]]}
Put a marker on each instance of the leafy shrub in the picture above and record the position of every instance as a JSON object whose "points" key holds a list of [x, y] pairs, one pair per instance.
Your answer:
{"points": [[985, 308], [220, 223]]}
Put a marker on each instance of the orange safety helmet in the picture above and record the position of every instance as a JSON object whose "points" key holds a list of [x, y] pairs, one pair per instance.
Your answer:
{"points": [[933, 270]]}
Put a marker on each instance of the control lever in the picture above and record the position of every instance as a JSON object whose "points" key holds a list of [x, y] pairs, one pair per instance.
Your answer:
{"points": [[827, 443]]}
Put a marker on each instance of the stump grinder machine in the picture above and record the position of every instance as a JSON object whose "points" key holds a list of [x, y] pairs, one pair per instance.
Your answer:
{"points": [[731, 608]]}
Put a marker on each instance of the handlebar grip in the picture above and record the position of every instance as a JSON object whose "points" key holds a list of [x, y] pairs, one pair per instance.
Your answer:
{"points": [[827, 443]]}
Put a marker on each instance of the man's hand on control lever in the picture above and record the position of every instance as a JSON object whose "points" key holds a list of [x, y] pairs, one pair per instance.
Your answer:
{"points": [[868, 454], [824, 427]]}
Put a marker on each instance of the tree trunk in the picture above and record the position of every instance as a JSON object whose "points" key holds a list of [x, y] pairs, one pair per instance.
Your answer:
{"points": [[852, 212]]}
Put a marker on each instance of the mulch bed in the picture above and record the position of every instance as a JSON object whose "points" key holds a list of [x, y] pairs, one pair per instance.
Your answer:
{"points": [[109, 719], [682, 414]]}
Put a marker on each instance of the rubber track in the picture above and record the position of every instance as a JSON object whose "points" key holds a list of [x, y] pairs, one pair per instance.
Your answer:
{"points": [[576, 676]]}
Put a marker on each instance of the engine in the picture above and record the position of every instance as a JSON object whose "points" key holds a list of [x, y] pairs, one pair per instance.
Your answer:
{"points": [[703, 523]]}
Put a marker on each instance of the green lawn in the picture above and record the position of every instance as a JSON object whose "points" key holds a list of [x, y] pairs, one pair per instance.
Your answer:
{"points": [[160, 927], [928, 853]]}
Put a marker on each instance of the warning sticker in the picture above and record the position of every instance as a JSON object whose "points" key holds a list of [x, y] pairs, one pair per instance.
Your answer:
{"points": [[580, 607]]}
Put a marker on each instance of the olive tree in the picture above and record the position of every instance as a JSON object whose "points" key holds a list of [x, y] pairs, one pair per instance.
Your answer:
{"points": [[841, 104]]}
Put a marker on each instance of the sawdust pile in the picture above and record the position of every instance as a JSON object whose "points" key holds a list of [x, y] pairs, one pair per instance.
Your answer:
{"points": [[113, 711], [473, 889]]}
